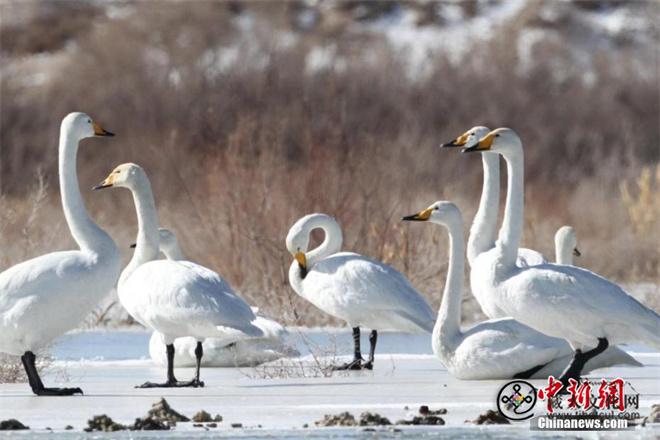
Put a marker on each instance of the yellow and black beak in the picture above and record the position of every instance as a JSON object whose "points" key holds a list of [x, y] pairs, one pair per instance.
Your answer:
{"points": [[302, 262], [100, 131], [458, 142], [419, 217], [107, 183], [484, 144], [576, 252]]}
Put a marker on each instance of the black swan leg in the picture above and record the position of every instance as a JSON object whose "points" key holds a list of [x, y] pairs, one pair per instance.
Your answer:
{"points": [[373, 339], [29, 363], [574, 369], [356, 363], [171, 379]]}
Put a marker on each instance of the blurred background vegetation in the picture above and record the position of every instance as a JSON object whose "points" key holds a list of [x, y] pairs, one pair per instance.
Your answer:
{"points": [[249, 114]]}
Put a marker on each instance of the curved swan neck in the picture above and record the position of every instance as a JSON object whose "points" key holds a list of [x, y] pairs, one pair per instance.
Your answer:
{"points": [[85, 232], [512, 225], [332, 241], [448, 324], [146, 248], [484, 225]]}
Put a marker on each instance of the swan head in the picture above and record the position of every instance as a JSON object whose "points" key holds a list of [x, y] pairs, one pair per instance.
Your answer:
{"points": [[469, 138], [83, 126], [502, 140], [297, 243], [441, 212], [167, 241], [126, 175], [566, 239]]}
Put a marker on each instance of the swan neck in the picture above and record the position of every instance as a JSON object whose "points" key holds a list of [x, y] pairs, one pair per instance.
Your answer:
{"points": [[484, 225], [173, 253], [563, 254], [85, 232], [331, 243], [447, 326], [512, 225], [146, 248]]}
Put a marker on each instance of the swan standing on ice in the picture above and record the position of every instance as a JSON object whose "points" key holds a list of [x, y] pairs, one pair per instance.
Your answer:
{"points": [[566, 246], [498, 348], [562, 301], [218, 353], [353, 288], [484, 226], [174, 298], [42, 298]]}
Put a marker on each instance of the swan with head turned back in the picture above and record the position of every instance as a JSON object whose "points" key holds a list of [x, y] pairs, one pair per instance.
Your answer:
{"points": [[484, 226], [567, 302], [566, 245], [42, 298], [174, 298], [217, 353], [498, 348], [353, 288]]}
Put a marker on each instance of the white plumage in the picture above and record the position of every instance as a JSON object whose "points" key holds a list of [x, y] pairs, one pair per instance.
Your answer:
{"points": [[351, 287], [498, 348], [562, 301], [217, 353], [566, 245], [42, 298], [244, 353], [484, 226], [175, 298]]}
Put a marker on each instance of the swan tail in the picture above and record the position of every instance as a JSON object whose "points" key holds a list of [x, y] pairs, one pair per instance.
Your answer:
{"points": [[610, 357], [417, 323], [234, 334]]}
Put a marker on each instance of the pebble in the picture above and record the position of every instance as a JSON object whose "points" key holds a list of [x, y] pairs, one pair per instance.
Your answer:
{"points": [[490, 417], [12, 425]]}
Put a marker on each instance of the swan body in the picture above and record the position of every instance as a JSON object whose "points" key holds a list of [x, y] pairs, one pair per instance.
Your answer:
{"points": [[42, 298], [498, 348], [218, 353], [483, 230], [351, 287], [561, 301], [174, 298], [566, 246]]}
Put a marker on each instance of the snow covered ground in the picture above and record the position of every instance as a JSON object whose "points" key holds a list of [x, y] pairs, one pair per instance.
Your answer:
{"points": [[107, 364]]}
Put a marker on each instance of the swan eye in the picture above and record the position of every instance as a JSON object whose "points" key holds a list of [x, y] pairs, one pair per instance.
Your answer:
{"points": [[89, 121], [497, 135], [436, 208]]}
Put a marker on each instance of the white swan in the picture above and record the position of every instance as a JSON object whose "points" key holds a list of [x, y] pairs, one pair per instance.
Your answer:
{"points": [[562, 301], [42, 298], [217, 353], [498, 348], [566, 245], [174, 298], [484, 226], [353, 288]]}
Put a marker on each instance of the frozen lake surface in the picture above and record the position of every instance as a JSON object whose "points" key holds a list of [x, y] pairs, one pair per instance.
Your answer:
{"points": [[107, 364]]}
